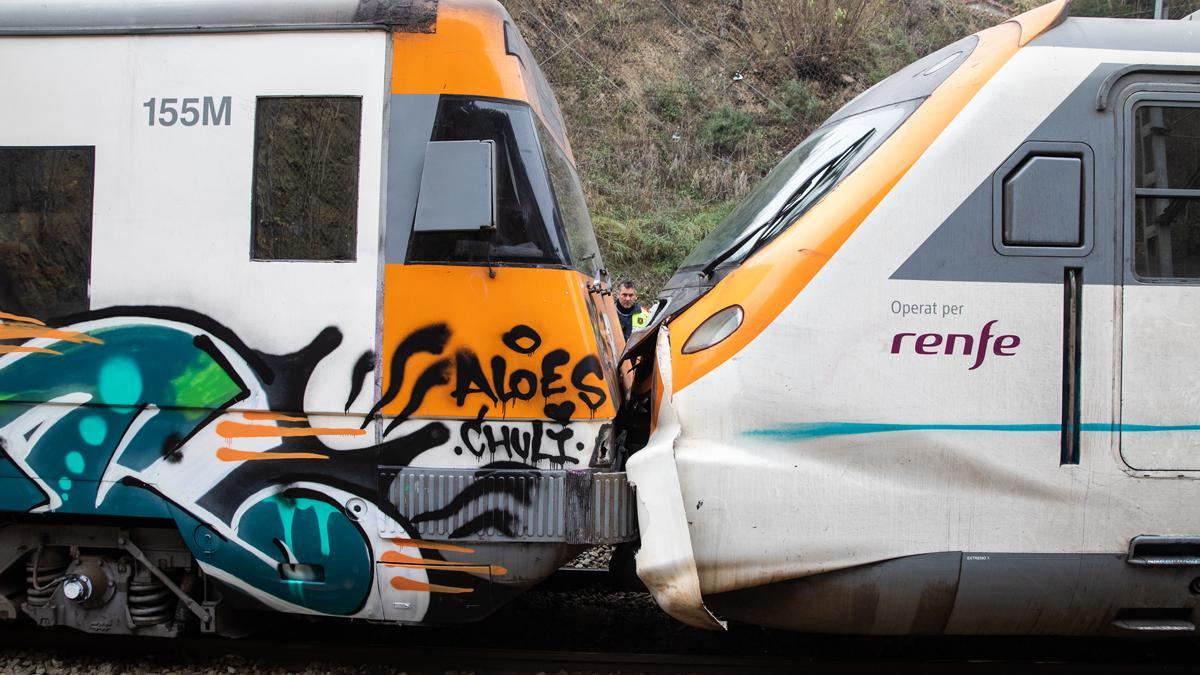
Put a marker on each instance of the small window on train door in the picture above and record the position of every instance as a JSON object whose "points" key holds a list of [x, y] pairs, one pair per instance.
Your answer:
{"points": [[305, 195], [46, 198], [1043, 200], [1166, 209]]}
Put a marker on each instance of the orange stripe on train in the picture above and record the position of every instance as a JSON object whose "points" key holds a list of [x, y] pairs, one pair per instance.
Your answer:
{"points": [[20, 319], [231, 455], [10, 349], [406, 584], [238, 430], [11, 332], [768, 282]]}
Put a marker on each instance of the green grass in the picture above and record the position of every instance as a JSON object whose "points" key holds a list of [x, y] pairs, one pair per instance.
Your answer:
{"points": [[648, 247]]}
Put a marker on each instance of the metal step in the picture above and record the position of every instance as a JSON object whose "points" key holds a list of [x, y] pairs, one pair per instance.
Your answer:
{"points": [[1152, 550], [1176, 626]]}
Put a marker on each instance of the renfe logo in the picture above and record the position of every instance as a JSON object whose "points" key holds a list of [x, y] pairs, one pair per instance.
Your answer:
{"points": [[930, 344]]}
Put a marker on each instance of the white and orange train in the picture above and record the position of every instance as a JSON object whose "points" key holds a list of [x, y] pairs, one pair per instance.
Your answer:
{"points": [[300, 311], [940, 371]]}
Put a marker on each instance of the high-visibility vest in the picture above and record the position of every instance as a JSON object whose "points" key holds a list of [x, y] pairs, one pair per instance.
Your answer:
{"points": [[641, 318]]}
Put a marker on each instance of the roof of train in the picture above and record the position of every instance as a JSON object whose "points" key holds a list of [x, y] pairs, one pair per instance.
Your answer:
{"points": [[38, 17], [1124, 35]]}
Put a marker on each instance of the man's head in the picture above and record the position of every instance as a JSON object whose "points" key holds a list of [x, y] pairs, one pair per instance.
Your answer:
{"points": [[627, 294]]}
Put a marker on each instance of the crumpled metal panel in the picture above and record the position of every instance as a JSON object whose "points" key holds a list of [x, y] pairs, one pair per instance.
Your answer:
{"points": [[666, 562], [575, 507], [612, 518]]}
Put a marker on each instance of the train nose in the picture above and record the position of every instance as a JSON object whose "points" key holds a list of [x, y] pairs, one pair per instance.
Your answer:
{"points": [[665, 562]]}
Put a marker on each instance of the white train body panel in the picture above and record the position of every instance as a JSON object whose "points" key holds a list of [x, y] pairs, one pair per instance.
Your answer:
{"points": [[90, 91]]}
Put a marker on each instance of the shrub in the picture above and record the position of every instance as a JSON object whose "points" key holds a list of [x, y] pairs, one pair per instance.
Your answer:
{"points": [[801, 103], [814, 36], [648, 247], [726, 127]]}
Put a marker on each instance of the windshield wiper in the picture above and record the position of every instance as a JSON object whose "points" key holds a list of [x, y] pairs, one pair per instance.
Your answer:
{"points": [[759, 234]]}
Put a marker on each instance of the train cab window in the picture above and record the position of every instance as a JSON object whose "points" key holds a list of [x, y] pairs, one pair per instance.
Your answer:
{"points": [[45, 230], [524, 231], [306, 157], [1167, 191], [809, 172], [571, 208]]}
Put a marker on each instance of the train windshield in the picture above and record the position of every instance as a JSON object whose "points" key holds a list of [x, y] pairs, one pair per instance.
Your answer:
{"points": [[806, 175], [541, 217]]}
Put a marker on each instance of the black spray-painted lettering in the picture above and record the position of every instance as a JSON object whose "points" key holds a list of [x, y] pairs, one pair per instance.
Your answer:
{"points": [[514, 441]]}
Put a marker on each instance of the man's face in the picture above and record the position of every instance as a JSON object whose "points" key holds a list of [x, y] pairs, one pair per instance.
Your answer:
{"points": [[627, 296]]}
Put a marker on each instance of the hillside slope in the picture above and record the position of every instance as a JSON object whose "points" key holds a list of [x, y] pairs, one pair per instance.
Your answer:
{"points": [[676, 107]]}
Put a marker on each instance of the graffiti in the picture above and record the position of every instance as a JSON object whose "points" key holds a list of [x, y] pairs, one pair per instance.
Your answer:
{"points": [[525, 371], [362, 368], [500, 386], [429, 340], [517, 440], [164, 413]]}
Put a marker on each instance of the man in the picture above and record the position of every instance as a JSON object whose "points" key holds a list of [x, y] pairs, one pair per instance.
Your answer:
{"points": [[631, 313]]}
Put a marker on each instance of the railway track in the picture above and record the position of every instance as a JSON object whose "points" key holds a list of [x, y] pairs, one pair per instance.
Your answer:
{"points": [[578, 623], [85, 652]]}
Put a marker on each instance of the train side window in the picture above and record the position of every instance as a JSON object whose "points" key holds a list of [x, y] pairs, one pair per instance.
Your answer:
{"points": [[1043, 201], [1167, 191], [306, 160], [46, 198]]}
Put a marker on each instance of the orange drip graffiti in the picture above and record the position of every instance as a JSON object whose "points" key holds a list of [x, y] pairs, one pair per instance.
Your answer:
{"points": [[406, 584], [432, 545], [271, 416], [396, 559], [21, 319], [231, 455], [7, 349], [8, 332], [238, 430]]}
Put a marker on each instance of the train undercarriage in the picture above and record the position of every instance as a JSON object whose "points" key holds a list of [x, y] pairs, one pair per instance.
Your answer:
{"points": [[104, 578]]}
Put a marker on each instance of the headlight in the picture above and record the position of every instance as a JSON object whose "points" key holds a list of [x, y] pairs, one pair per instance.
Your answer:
{"points": [[715, 329]]}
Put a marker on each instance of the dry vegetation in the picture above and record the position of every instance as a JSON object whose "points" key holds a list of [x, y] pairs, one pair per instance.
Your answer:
{"points": [[676, 107]]}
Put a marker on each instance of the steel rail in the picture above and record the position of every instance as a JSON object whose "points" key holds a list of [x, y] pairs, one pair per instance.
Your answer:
{"points": [[315, 645]]}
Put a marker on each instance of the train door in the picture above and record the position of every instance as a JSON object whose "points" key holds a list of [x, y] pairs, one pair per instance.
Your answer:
{"points": [[1160, 372]]}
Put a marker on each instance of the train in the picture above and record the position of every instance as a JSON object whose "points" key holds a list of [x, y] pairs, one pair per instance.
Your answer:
{"points": [[937, 373], [301, 311]]}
